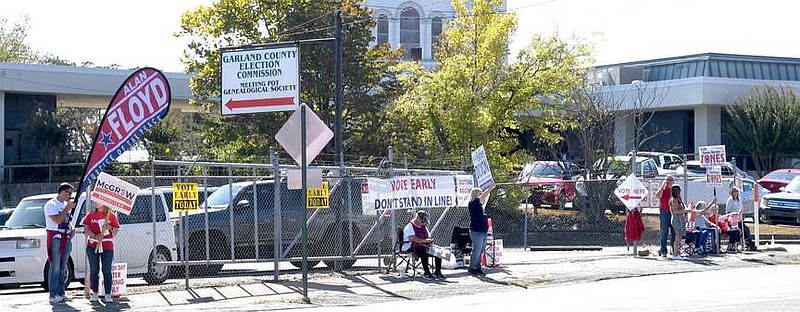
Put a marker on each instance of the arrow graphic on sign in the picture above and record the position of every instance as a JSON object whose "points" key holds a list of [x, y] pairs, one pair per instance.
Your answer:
{"points": [[629, 197], [234, 104]]}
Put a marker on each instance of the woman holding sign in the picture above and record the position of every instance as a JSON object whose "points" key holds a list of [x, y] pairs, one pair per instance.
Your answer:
{"points": [[101, 227]]}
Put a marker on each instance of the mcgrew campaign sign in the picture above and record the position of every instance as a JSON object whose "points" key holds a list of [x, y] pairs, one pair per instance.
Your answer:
{"points": [[114, 193]]}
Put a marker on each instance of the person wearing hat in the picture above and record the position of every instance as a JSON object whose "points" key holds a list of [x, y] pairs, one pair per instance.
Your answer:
{"points": [[734, 205], [417, 238], [59, 234]]}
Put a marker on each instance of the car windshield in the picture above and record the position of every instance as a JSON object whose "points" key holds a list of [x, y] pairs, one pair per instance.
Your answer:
{"points": [[29, 214], [222, 196], [543, 170], [786, 176], [794, 186]]}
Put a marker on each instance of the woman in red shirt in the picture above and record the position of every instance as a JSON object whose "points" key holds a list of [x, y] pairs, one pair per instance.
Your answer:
{"points": [[101, 226]]}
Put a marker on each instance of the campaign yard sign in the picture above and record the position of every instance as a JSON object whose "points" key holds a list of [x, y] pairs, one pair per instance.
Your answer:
{"points": [[712, 156], [114, 193], [714, 176], [185, 197], [119, 274], [409, 192], [481, 168], [264, 79]]}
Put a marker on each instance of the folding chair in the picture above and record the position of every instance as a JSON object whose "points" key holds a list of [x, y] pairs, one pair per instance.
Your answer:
{"points": [[405, 259]]}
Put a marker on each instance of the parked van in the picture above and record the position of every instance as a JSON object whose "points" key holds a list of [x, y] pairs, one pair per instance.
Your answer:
{"points": [[23, 242]]}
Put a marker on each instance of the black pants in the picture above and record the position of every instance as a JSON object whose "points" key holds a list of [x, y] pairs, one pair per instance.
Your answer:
{"points": [[422, 253]]}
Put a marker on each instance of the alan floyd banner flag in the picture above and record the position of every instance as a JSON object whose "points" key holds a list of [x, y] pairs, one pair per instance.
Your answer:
{"points": [[140, 103]]}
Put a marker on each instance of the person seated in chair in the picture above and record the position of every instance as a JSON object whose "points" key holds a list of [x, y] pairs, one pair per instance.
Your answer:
{"points": [[704, 224], [417, 239]]}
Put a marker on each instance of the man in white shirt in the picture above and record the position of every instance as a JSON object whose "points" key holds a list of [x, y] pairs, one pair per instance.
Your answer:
{"points": [[59, 233], [417, 239]]}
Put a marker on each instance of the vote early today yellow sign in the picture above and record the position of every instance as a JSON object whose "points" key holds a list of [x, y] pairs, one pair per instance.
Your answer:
{"points": [[185, 197], [319, 197]]}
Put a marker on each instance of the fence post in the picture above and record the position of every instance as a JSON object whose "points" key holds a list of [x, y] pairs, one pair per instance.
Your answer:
{"points": [[278, 245], [255, 212], [205, 217], [231, 206], [525, 234], [392, 218], [685, 179]]}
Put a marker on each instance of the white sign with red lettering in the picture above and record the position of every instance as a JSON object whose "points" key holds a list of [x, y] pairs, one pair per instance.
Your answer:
{"points": [[119, 274], [712, 156], [114, 193], [714, 176], [631, 192], [409, 192]]}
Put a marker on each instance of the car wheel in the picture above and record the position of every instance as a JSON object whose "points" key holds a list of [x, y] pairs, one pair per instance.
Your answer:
{"points": [[157, 273], [346, 247], [299, 264], [562, 201], [69, 275]]}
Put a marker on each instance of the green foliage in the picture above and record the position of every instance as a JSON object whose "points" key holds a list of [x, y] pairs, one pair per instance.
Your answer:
{"points": [[238, 22], [171, 138], [764, 122], [47, 134], [475, 97], [13, 45]]}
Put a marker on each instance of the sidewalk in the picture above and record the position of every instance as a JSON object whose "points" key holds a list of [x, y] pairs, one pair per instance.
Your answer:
{"points": [[521, 269]]}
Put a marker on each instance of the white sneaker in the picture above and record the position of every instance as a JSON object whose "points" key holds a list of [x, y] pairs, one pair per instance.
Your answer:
{"points": [[678, 258], [109, 299], [56, 299], [94, 298]]}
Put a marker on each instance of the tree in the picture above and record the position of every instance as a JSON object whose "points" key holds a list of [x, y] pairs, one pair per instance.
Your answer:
{"points": [[239, 22], [475, 97], [47, 135], [13, 45], [172, 138], [764, 122]]}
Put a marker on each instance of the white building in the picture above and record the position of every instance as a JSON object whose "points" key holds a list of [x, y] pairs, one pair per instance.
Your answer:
{"points": [[414, 26], [24, 87], [693, 93]]}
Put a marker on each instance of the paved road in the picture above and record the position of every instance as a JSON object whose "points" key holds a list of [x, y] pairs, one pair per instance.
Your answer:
{"points": [[770, 288]]}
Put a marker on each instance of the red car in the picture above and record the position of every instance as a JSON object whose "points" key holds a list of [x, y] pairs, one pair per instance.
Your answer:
{"points": [[777, 179], [551, 183]]}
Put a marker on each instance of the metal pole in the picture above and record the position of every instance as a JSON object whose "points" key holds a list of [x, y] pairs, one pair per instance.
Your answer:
{"points": [[278, 239], [525, 234], [153, 203], [205, 217], [304, 205], [339, 97], [392, 217], [685, 178], [255, 212], [231, 207]]}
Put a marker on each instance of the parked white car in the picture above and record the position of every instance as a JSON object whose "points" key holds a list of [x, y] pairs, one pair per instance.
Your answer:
{"points": [[23, 242], [663, 160]]}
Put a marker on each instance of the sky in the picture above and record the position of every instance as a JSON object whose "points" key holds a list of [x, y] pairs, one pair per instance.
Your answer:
{"points": [[140, 33]]}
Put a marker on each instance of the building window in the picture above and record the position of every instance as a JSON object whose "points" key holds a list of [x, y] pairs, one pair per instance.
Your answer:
{"points": [[383, 29], [409, 30], [436, 32]]}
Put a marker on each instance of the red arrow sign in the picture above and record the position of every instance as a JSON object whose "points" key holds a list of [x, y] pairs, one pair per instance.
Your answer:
{"points": [[629, 197], [231, 105]]}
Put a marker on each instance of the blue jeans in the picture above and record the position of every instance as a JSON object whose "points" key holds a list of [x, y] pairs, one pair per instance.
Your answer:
{"points": [[107, 256], [58, 266], [667, 233], [478, 245]]}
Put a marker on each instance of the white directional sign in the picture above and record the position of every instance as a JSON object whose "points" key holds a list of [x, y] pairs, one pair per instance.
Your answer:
{"points": [[260, 80], [631, 192], [317, 136]]}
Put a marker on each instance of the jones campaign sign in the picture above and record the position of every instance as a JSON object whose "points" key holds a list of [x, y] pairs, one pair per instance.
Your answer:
{"points": [[140, 103], [712, 156], [409, 192], [260, 80], [481, 165], [114, 193]]}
